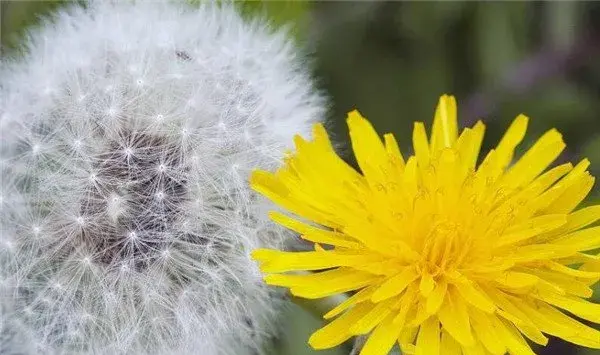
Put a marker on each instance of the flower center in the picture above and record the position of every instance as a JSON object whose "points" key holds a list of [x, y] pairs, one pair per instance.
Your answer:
{"points": [[443, 248], [134, 200]]}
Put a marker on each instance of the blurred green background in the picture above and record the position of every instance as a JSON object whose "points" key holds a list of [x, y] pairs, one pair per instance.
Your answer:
{"points": [[392, 60]]}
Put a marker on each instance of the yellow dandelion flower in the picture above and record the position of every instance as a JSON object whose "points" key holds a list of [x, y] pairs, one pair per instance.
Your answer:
{"points": [[445, 255]]}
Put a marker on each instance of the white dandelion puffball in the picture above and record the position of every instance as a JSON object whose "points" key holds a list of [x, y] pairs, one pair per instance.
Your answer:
{"points": [[128, 134]]}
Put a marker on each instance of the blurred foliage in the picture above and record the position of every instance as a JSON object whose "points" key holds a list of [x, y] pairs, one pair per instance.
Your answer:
{"points": [[15, 16], [392, 60], [293, 14], [298, 328]]}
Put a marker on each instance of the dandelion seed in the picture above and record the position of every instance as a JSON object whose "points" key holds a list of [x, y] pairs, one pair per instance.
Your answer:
{"points": [[446, 255]]}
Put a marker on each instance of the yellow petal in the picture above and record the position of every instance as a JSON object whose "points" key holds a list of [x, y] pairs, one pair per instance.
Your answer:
{"points": [[312, 233], [368, 149], [516, 280], [509, 310], [556, 323], [546, 202], [476, 349], [536, 252], [578, 219], [391, 146], [407, 339], [381, 341], [565, 283], [410, 178], [428, 339], [427, 284], [547, 179], [531, 228], [469, 144], [361, 296], [395, 284], [445, 125], [591, 264], [455, 319], [407, 305], [510, 336], [281, 261], [579, 258], [579, 307], [486, 332], [270, 186], [582, 240], [321, 139], [572, 196], [449, 344], [536, 159], [323, 284], [475, 296], [377, 314], [569, 271], [336, 332], [421, 145], [436, 298], [513, 136], [418, 314]]}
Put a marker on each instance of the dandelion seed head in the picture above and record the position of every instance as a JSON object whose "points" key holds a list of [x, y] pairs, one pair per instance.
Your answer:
{"points": [[126, 217]]}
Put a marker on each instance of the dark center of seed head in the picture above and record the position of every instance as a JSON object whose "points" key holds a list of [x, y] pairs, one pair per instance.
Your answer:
{"points": [[137, 199]]}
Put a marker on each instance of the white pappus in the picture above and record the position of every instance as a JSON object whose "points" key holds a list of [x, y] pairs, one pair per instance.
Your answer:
{"points": [[128, 134]]}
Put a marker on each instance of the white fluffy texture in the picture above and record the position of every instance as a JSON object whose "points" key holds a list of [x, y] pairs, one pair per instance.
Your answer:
{"points": [[128, 134]]}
